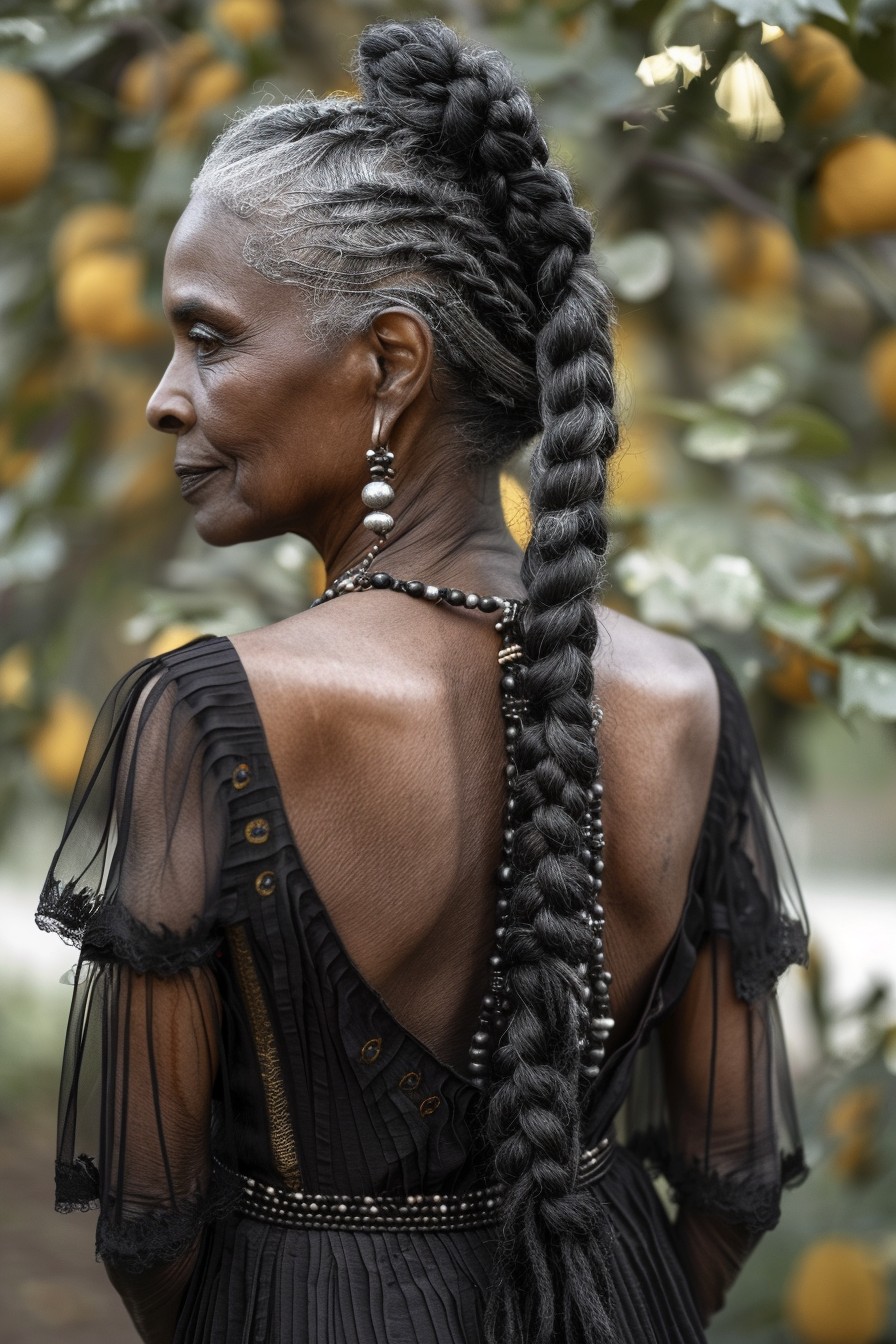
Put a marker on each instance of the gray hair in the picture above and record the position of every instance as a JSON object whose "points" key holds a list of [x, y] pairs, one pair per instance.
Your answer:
{"points": [[342, 206]]}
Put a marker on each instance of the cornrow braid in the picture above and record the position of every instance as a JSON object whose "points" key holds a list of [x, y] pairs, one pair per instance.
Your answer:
{"points": [[436, 191]]}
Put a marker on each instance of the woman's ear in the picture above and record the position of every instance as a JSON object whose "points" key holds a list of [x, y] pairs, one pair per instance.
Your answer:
{"points": [[402, 344]]}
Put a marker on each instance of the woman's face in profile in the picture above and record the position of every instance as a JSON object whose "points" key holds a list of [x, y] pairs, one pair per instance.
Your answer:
{"points": [[271, 430]]}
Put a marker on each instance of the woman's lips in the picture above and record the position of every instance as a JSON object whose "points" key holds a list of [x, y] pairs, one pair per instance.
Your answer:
{"points": [[192, 478]]}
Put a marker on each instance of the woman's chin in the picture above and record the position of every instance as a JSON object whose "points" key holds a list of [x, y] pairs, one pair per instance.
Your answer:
{"points": [[215, 528]]}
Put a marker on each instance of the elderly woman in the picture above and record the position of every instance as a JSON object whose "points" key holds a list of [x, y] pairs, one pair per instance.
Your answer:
{"points": [[346, 1063]]}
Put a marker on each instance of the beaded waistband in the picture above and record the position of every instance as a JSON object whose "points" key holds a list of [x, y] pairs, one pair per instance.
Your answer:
{"points": [[368, 1213]]}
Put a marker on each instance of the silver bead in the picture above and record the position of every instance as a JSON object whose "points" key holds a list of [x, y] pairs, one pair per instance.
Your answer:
{"points": [[431, 593], [377, 495], [379, 522]]}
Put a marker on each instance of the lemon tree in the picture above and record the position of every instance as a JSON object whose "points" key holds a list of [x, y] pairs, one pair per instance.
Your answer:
{"points": [[741, 162]]}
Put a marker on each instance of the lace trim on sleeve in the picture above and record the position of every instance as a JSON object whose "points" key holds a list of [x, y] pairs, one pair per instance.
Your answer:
{"points": [[82, 918], [159, 1237], [737, 1199]]}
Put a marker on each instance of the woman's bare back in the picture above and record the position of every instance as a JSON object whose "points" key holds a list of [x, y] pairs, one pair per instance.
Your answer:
{"points": [[383, 721]]}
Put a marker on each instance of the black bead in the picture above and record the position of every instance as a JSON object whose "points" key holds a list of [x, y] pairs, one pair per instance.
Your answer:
{"points": [[489, 603], [508, 683], [456, 597], [381, 581], [505, 875], [481, 1038], [415, 588]]}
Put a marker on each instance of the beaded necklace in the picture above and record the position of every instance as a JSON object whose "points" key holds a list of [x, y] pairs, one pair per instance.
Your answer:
{"points": [[596, 1020]]}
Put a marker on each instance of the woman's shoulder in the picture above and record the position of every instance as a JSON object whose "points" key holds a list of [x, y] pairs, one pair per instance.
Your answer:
{"points": [[658, 743], [662, 687]]}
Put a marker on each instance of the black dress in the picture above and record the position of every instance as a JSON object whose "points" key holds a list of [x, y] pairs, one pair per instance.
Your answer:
{"points": [[218, 1026]]}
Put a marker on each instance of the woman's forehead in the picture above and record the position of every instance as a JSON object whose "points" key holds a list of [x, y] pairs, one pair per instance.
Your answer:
{"points": [[205, 255]]}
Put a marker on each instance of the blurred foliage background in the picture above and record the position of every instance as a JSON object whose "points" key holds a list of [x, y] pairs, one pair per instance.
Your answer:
{"points": [[740, 158]]}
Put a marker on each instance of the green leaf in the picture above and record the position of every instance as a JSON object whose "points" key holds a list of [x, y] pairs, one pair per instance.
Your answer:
{"points": [[750, 391], [719, 439], [814, 433], [59, 54], [639, 265], [787, 14], [883, 630], [727, 592], [849, 614], [676, 408], [804, 564], [869, 684], [794, 621]]}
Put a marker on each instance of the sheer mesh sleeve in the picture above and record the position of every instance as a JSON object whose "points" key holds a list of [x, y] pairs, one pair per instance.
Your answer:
{"points": [[712, 1105], [135, 885]]}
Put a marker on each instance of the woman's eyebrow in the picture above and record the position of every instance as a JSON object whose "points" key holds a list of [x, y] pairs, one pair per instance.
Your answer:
{"points": [[187, 309]]}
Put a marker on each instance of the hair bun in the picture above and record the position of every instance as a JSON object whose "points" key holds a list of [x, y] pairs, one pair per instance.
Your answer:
{"points": [[459, 102]]}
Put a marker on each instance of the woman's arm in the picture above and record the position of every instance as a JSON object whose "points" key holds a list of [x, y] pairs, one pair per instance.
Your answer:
{"points": [[154, 1298]]}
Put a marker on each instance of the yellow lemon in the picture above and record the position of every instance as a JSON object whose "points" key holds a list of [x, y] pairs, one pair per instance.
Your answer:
{"points": [[15, 675], [880, 372], [28, 142], [516, 509], [822, 66], [103, 224], [147, 83], [153, 78], [246, 20], [853, 1120], [188, 53], [316, 576], [837, 1294], [57, 748], [214, 83], [855, 192], [99, 296], [635, 470], [172, 637], [751, 256], [735, 330]]}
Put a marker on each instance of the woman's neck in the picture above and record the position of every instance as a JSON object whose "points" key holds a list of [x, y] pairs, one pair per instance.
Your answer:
{"points": [[449, 530]]}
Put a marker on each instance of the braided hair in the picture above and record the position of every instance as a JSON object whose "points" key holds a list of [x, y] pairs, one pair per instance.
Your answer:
{"points": [[434, 191]]}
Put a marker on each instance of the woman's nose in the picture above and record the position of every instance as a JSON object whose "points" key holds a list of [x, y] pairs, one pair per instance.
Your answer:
{"points": [[168, 410]]}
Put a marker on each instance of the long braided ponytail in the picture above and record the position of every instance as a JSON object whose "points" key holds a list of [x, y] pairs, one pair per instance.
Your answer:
{"points": [[437, 186]]}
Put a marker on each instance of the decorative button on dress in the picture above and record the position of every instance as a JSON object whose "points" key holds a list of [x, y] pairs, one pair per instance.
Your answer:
{"points": [[230, 1076]]}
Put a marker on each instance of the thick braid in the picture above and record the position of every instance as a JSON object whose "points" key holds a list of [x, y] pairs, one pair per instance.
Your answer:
{"points": [[534, 1115], [551, 1283]]}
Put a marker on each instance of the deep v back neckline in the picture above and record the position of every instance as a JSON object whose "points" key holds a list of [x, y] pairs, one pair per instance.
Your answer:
{"points": [[311, 888]]}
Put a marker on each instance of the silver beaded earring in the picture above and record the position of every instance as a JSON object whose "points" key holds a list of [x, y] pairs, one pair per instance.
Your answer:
{"points": [[378, 494]]}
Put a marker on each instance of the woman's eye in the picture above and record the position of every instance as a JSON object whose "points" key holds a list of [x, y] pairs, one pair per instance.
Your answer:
{"points": [[206, 341]]}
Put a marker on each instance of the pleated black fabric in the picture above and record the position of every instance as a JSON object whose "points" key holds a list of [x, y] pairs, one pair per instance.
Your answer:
{"points": [[219, 1026]]}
